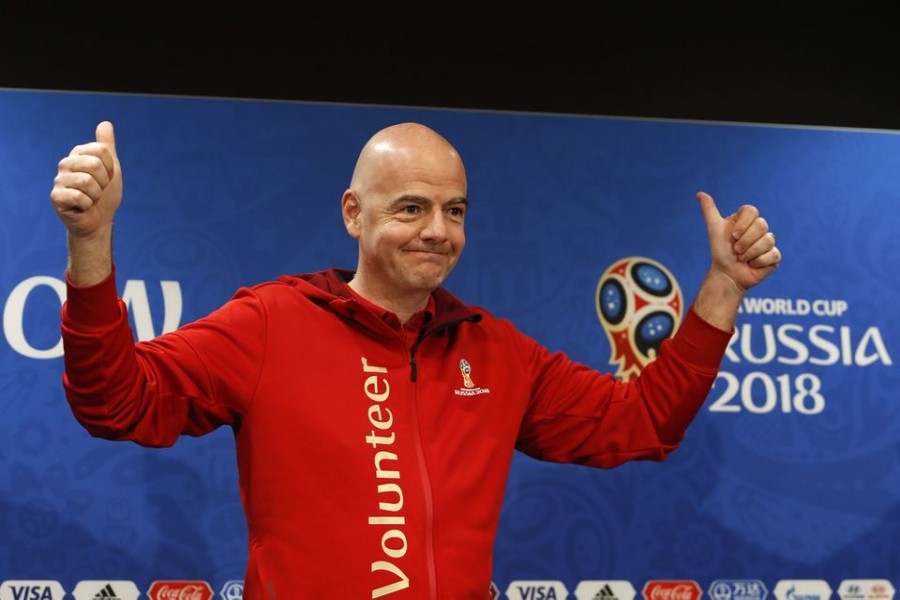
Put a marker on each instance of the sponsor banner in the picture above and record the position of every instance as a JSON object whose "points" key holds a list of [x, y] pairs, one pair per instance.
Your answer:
{"points": [[180, 590], [865, 589], [671, 590], [802, 589], [25, 589], [232, 590], [737, 589], [536, 590], [106, 590], [605, 590]]}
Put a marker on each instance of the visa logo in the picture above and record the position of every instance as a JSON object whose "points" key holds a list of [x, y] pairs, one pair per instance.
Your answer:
{"points": [[31, 592], [539, 592]]}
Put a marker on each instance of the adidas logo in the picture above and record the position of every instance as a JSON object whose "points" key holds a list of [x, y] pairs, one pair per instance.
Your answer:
{"points": [[605, 593], [107, 592]]}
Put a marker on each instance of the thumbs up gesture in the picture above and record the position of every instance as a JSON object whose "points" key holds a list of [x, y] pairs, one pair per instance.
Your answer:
{"points": [[741, 245], [87, 189], [742, 254]]}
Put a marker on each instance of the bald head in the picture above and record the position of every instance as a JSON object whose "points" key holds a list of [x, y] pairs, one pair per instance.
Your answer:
{"points": [[410, 148], [406, 208]]}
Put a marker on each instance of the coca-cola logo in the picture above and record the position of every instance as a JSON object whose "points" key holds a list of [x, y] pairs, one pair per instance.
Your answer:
{"points": [[180, 590], [671, 590]]}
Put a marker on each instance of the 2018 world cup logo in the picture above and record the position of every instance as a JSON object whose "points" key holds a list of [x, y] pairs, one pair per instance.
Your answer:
{"points": [[466, 371], [639, 304]]}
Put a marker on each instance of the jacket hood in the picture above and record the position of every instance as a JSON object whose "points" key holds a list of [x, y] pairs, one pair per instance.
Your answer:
{"points": [[329, 287]]}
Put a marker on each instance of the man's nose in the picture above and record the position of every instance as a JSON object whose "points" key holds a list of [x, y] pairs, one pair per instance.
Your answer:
{"points": [[435, 226]]}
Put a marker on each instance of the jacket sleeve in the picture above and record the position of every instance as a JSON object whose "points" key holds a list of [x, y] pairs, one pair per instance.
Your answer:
{"points": [[580, 415], [186, 382]]}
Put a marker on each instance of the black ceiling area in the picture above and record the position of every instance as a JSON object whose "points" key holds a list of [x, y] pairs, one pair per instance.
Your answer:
{"points": [[805, 77]]}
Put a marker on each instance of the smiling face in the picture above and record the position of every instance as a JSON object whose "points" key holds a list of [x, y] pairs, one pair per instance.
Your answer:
{"points": [[406, 206]]}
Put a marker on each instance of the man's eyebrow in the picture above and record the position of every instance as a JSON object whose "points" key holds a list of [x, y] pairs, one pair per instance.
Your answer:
{"points": [[421, 200], [410, 198]]}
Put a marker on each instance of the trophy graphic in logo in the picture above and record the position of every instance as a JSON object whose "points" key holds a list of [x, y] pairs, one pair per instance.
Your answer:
{"points": [[466, 371], [639, 304]]}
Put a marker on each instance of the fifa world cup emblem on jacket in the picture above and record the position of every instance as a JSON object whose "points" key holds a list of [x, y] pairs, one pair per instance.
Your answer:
{"points": [[466, 371]]}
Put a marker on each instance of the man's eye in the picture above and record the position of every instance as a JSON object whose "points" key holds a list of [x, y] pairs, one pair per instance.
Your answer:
{"points": [[411, 209], [457, 211]]}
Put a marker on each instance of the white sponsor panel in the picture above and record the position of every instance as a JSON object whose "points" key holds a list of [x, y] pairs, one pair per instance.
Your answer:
{"points": [[737, 589], [233, 590], [38, 589], [105, 589], [536, 590], [802, 589], [610, 589], [866, 589]]}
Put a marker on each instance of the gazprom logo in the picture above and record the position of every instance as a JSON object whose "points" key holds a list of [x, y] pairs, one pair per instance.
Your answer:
{"points": [[31, 332], [802, 589]]}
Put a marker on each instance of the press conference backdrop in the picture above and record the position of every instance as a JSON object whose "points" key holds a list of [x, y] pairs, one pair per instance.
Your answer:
{"points": [[788, 483]]}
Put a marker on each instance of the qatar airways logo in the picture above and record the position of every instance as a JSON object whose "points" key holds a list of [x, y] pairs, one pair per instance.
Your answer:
{"points": [[43, 295]]}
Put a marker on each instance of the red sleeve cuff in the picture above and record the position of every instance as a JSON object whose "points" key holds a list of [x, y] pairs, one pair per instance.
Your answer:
{"points": [[699, 342], [93, 305]]}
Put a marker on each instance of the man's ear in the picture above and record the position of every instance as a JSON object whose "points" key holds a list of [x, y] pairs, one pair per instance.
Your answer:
{"points": [[350, 210]]}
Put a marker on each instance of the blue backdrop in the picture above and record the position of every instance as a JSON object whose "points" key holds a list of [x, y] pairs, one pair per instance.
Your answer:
{"points": [[791, 471]]}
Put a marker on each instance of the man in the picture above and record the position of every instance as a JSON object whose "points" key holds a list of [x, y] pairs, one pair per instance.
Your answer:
{"points": [[375, 415]]}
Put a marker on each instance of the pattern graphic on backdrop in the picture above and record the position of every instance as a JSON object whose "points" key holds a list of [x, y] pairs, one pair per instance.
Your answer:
{"points": [[639, 303]]}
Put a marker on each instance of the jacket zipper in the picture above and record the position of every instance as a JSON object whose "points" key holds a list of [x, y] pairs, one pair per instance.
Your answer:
{"points": [[423, 464], [413, 372], [426, 479]]}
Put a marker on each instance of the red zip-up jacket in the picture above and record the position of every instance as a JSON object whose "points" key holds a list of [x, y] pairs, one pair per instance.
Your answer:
{"points": [[371, 465]]}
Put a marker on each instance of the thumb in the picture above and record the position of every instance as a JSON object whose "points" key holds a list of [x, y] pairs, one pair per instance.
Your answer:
{"points": [[708, 206], [710, 213], [106, 135]]}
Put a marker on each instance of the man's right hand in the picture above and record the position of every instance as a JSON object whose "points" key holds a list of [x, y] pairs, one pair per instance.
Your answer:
{"points": [[87, 191], [87, 188]]}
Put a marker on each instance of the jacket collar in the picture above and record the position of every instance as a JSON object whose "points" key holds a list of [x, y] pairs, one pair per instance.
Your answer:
{"points": [[330, 288]]}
